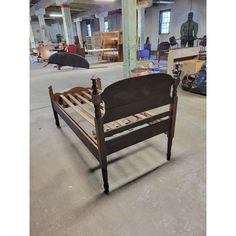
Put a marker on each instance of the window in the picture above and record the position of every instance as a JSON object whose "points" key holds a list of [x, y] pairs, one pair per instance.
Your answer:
{"points": [[89, 31], [106, 26], [164, 25]]}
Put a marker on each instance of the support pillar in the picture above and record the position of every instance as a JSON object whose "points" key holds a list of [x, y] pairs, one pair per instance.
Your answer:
{"points": [[43, 27], [32, 40], [67, 22], [129, 36], [101, 24], [79, 32], [101, 16], [141, 26]]}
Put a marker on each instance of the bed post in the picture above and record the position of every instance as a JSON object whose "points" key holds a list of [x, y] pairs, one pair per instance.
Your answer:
{"points": [[54, 112], [99, 84], [173, 109], [96, 99]]}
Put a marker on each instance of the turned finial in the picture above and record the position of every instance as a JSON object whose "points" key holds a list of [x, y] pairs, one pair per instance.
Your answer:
{"points": [[50, 91], [176, 74], [94, 86], [96, 98]]}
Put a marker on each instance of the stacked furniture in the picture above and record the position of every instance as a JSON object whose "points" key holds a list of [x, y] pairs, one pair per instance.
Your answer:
{"points": [[108, 40]]}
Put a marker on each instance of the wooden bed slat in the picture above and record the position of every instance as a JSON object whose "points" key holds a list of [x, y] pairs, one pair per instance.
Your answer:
{"points": [[82, 106], [148, 113], [86, 117], [141, 116], [134, 124], [136, 136], [84, 99], [121, 122], [90, 98], [110, 125], [88, 95], [130, 119], [88, 102], [88, 140]]}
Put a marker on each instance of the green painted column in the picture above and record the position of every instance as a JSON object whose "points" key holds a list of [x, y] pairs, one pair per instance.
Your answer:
{"points": [[141, 5], [129, 36], [43, 27], [141, 26], [101, 16], [67, 22], [78, 27], [32, 40]]}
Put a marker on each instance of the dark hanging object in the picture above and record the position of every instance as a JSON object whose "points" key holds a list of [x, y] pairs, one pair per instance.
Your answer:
{"points": [[67, 59], [195, 83], [199, 84], [203, 41], [172, 41]]}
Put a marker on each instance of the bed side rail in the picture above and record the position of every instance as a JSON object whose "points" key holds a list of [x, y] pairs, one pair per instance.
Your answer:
{"points": [[58, 102], [117, 143]]}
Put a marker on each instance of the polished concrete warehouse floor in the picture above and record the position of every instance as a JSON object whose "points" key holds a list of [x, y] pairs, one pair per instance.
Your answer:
{"points": [[149, 196]]}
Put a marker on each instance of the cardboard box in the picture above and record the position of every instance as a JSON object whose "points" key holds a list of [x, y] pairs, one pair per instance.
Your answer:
{"points": [[192, 66]]}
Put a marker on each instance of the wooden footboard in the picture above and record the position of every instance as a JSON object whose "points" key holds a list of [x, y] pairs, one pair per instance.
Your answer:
{"points": [[120, 115]]}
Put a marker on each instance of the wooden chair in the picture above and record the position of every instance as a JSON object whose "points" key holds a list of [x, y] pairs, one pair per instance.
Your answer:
{"points": [[162, 50]]}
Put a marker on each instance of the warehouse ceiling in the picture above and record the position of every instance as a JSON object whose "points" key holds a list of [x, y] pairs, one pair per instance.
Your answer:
{"points": [[82, 8], [79, 8]]}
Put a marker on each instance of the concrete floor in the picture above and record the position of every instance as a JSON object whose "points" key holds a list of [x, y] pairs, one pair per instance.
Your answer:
{"points": [[148, 195]]}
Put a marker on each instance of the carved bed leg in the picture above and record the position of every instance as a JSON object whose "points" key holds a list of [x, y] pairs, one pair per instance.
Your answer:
{"points": [[56, 118], [173, 109], [169, 145], [54, 112], [105, 179], [99, 126]]}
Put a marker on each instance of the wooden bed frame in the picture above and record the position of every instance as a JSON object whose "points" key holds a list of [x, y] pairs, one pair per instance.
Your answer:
{"points": [[119, 115]]}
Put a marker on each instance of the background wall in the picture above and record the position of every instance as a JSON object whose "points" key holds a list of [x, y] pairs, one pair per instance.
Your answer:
{"points": [[115, 22], [54, 27], [94, 27], [36, 31], [179, 15]]}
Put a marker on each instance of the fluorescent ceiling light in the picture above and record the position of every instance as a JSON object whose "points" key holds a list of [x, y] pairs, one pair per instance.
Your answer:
{"points": [[164, 2], [105, 0], [55, 15]]}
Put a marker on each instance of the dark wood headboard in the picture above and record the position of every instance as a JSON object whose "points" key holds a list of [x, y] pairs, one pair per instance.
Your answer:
{"points": [[135, 95]]}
